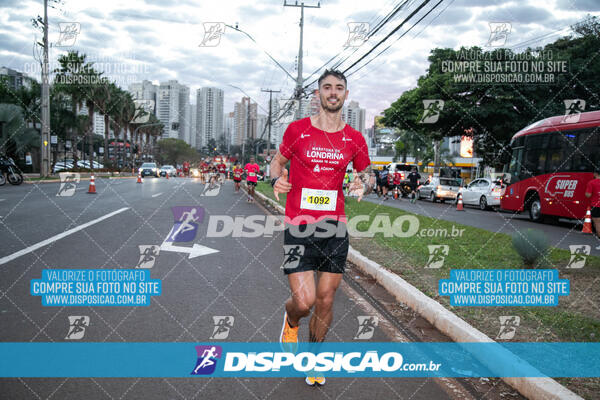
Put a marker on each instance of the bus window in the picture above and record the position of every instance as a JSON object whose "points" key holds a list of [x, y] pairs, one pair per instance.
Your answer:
{"points": [[514, 167], [586, 157]]}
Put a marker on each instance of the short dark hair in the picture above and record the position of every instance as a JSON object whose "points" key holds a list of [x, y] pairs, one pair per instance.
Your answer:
{"points": [[333, 72]]}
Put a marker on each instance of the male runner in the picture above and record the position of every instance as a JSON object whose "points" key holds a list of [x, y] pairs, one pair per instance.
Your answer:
{"points": [[251, 169], [222, 170], [592, 192], [383, 175], [237, 176], [413, 179], [319, 149]]}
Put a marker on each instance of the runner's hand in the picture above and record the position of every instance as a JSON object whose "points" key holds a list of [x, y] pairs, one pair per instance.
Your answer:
{"points": [[282, 185]]}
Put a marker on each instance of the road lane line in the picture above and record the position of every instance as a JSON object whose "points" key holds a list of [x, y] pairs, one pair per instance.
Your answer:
{"points": [[54, 238], [157, 194]]}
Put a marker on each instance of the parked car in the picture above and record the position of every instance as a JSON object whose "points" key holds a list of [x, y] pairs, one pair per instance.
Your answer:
{"points": [[62, 165], [86, 164], [149, 168], [484, 192], [437, 188], [168, 168]]}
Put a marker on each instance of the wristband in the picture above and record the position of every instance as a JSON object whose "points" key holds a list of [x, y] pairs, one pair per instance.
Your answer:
{"points": [[273, 181]]}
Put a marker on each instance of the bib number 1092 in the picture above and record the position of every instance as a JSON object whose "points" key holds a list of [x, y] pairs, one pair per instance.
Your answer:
{"points": [[320, 200]]}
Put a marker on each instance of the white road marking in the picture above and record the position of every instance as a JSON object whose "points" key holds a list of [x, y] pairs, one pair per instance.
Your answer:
{"points": [[54, 238], [157, 194], [2, 199]]}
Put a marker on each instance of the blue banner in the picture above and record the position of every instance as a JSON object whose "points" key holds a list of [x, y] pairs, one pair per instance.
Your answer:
{"points": [[367, 359], [504, 287]]}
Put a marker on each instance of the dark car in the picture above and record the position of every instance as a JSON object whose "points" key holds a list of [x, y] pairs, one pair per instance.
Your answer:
{"points": [[148, 169]]}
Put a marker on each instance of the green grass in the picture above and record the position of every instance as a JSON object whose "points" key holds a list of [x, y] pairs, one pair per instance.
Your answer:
{"points": [[478, 249]]}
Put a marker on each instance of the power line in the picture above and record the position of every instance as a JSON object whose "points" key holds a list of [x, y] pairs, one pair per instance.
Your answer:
{"points": [[423, 4], [401, 36]]}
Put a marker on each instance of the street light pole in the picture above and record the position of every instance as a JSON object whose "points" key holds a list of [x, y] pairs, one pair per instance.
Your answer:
{"points": [[45, 145], [269, 122], [299, 80]]}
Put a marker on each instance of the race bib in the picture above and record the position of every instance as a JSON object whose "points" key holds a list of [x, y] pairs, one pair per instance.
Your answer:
{"points": [[251, 173], [319, 200]]}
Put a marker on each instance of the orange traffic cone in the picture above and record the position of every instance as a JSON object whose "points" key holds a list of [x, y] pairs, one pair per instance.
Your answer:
{"points": [[587, 223], [92, 188], [459, 203], [139, 178], [167, 175]]}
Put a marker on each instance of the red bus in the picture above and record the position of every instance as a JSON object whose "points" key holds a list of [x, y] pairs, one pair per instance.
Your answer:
{"points": [[551, 162]]}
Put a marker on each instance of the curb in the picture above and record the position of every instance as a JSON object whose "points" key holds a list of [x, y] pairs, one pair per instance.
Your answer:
{"points": [[448, 323]]}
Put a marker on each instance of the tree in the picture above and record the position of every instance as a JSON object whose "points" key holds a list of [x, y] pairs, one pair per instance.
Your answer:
{"points": [[174, 151], [16, 137]]}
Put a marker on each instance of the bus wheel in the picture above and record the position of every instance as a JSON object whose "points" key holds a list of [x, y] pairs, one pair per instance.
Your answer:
{"points": [[535, 209]]}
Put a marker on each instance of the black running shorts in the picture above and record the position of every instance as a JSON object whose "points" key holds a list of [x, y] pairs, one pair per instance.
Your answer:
{"points": [[595, 211], [250, 183], [322, 246]]}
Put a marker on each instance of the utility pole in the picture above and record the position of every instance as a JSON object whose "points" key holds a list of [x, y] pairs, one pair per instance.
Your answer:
{"points": [[45, 145], [269, 122], [299, 80]]}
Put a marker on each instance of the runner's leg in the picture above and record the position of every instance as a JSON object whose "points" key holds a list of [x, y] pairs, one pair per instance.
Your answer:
{"points": [[323, 314], [298, 305]]}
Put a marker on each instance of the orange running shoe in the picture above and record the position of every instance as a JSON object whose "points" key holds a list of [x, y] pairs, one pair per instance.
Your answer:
{"points": [[315, 380], [289, 336]]}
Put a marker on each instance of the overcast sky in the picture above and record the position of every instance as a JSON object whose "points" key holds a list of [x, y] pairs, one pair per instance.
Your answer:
{"points": [[159, 40]]}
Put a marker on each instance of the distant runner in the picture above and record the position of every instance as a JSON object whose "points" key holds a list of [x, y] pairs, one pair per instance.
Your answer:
{"points": [[237, 176], [251, 169], [319, 150]]}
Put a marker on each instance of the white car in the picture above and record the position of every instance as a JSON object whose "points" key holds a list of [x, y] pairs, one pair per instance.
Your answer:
{"points": [[168, 169], [86, 164], [483, 192]]}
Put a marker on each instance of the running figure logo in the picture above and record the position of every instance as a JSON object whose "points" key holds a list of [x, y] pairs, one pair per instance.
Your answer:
{"points": [[366, 327], [292, 254], [186, 223], [358, 33], [148, 255], [431, 111], [222, 326], [207, 359], [499, 32], [437, 255], [68, 183], [508, 327], [573, 110], [212, 34], [579, 253], [68, 34], [77, 325]]}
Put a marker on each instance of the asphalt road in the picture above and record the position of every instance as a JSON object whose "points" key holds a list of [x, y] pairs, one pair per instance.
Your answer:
{"points": [[561, 234], [243, 279]]}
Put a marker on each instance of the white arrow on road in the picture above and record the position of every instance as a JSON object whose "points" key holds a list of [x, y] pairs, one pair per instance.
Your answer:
{"points": [[196, 250]]}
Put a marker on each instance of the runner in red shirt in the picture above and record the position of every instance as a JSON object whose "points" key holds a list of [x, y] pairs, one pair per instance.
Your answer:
{"points": [[237, 176], [592, 192], [251, 169], [396, 183], [222, 170], [186, 168], [319, 149]]}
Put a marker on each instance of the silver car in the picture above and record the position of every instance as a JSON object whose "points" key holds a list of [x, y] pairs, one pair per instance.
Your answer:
{"points": [[483, 192], [438, 188]]}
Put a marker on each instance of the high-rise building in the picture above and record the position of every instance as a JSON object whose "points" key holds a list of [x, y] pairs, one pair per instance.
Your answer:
{"points": [[144, 90], [172, 109], [209, 115], [98, 121], [229, 127], [193, 127], [184, 114], [354, 116], [245, 114]]}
